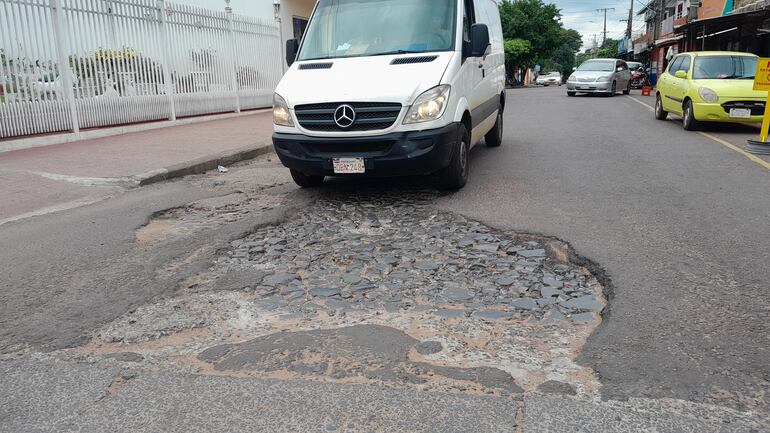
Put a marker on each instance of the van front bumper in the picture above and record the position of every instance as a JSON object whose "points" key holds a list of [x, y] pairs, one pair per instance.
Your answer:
{"points": [[395, 154]]}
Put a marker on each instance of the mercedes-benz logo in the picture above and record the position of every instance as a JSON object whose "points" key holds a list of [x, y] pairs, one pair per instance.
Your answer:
{"points": [[344, 116]]}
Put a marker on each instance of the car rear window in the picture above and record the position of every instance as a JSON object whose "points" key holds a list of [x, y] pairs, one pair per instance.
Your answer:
{"points": [[724, 67]]}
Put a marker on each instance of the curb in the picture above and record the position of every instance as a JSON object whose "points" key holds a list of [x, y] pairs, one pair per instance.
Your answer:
{"points": [[206, 163]]}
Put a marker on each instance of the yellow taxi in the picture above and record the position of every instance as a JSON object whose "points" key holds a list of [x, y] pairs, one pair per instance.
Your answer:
{"points": [[710, 86]]}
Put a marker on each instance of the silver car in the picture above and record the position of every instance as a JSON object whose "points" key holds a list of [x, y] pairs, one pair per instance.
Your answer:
{"points": [[606, 76]]}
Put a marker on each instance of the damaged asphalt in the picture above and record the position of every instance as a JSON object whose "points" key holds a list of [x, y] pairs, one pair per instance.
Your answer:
{"points": [[238, 303]]}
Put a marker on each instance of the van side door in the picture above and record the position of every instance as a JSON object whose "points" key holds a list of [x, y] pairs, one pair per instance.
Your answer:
{"points": [[493, 64], [470, 79]]}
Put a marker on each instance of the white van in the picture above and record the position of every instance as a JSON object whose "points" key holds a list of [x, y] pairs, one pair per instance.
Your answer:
{"points": [[391, 88]]}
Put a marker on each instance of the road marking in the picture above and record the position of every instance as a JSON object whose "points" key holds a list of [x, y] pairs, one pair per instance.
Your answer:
{"points": [[754, 158], [724, 143], [646, 105]]}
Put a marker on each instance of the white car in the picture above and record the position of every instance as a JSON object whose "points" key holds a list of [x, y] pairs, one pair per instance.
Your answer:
{"points": [[550, 79], [391, 88]]}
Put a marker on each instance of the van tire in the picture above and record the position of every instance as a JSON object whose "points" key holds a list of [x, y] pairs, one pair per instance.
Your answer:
{"points": [[494, 137], [455, 176], [571, 93], [305, 181]]}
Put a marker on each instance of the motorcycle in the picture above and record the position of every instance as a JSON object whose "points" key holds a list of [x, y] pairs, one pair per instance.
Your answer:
{"points": [[639, 78]]}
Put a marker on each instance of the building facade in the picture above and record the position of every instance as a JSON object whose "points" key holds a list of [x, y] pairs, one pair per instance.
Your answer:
{"points": [[674, 26]]}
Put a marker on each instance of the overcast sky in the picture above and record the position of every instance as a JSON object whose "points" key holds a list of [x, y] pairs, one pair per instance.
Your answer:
{"points": [[580, 15]]}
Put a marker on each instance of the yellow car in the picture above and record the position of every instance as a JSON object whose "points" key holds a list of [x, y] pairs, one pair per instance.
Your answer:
{"points": [[710, 86]]}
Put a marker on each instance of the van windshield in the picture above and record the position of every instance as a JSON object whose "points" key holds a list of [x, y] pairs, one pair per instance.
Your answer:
{"points": [[355, 28]]}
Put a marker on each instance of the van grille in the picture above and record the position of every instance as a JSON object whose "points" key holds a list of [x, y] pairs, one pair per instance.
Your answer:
{"points": [[370, 116]]}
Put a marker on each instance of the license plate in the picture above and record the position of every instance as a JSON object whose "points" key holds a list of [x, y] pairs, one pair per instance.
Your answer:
{"points": [[584, 87], [740, 113], [349, 165]]}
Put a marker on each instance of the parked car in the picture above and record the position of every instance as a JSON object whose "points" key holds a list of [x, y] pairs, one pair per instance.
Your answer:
{"points": [[550, 79], [714, 86], [409, 92], [605, 76]]}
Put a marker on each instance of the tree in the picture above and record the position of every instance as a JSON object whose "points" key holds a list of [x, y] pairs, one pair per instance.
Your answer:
{"points": [[517, 52], [535, 22], [609, 49], [572, 39]]}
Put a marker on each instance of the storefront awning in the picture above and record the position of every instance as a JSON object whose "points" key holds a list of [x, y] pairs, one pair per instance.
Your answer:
{"points": [[668, 41], [716, 24]]}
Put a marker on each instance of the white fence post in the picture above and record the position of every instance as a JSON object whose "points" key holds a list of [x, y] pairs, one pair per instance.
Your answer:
{"points": [[166, 57], [234, 56], [65, 72]]}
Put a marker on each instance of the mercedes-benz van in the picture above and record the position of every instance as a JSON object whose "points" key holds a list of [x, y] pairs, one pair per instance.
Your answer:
{"points": [[391, 88]]}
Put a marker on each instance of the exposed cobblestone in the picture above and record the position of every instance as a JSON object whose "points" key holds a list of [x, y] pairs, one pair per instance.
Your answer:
{"points": [[366, 250]]}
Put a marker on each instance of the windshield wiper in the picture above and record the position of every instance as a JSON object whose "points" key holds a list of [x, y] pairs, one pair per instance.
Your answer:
{"points": [[319, 58], [390, 53]]}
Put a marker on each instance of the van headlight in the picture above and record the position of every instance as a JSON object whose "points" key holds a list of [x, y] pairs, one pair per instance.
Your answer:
{"points": [[571, 78], [428, 106], [708, 95], [281, 113]]}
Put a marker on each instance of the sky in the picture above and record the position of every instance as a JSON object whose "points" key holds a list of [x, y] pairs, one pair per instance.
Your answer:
{"points": [[580, 15]]}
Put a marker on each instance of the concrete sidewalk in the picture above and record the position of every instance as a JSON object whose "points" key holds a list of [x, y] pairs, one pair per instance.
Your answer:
{"points": [[48, 179]]}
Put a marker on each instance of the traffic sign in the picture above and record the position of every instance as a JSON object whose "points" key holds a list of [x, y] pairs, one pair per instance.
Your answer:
{"points": [[762, 77], [762, 82]]}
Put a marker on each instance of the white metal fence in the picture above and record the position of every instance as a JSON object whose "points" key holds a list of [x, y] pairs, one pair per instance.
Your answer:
{"points": [[66, 65]]}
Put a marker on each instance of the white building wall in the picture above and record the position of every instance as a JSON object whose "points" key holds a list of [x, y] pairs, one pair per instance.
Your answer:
{"points": [[291, 9]]}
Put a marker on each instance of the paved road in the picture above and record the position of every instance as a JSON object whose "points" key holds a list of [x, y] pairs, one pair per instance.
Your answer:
{"points": [[679, 222], [107, 310]]}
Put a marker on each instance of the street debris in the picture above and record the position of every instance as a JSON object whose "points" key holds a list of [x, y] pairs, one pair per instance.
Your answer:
{"points": [[222, 169]]}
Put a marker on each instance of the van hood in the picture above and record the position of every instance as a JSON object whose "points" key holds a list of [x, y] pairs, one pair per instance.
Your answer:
{"points": [[363, 79], [733, 89]]}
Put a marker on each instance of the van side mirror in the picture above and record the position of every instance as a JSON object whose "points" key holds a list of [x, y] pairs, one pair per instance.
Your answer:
{"points": [[680, 74], [479, 40], [292, 46]]}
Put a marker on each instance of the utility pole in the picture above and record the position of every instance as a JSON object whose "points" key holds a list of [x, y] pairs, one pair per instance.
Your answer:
{"points": [[630, 28], [605, 10]]}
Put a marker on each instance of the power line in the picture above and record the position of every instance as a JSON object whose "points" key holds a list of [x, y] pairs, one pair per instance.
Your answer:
{"points": [[604, 38]]}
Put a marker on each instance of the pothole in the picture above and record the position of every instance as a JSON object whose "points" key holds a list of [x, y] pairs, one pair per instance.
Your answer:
{"points": [[378, 288], [202, 214]]}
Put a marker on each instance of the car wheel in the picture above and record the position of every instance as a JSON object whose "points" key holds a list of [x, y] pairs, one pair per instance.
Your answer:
{"points": [[628, 89], [455, 176], [689, 122], [306, 181], [614, 89], [571, 93], [494, 137], [660, 113]]}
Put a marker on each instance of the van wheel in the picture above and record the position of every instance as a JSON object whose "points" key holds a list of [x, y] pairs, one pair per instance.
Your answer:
{"points": [[614, 89], [306, 181], [628, 89], [455, 176], [571, 93], [660, 113], [494, 137], [689, 122]]}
